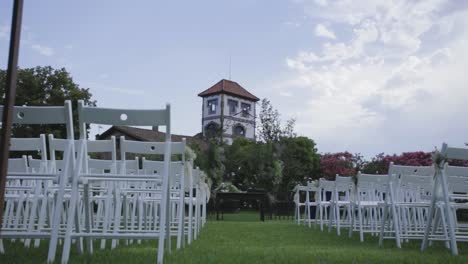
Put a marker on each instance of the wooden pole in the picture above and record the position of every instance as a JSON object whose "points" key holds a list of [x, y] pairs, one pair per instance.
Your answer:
{"points": [[10, 94]]}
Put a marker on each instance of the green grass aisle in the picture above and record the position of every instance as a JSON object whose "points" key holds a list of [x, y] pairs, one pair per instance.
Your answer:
{"points": [[285, 242], [236, 241]]}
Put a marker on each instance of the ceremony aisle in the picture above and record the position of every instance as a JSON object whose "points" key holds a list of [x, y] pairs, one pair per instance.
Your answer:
{"points": [[241, 238]]}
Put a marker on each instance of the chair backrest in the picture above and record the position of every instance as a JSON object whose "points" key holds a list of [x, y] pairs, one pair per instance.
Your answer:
{"points": [[326, 188], [456, 176], [101, 165], [156, 167], [457, 179], [18, 164], [43, 115], [411, 183], [127, 117], [129, 166], [454, 153], [372, 187], [421, 176], [155, 148], [344, 183], [57, 145], [344, 186], [311, 186], [29, 145], [92, 146], [371, 180]]}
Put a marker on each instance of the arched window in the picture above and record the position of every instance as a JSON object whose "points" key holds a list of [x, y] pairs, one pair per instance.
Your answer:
{"points": [[211, 129], [238, 130]]}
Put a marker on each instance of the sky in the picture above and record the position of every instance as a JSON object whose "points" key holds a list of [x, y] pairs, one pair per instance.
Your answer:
{"points": [[360, 76]]}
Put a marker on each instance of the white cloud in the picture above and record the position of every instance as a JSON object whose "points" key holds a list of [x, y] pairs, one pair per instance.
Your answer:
{"points": [[43, 50], [285, 94], [396, 84], [322, 31]]}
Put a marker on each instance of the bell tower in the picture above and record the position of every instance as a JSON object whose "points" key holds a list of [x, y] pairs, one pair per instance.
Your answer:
{"points": [[229, 107]]}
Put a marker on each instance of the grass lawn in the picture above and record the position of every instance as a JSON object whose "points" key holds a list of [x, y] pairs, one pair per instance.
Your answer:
{"points": [[241, 238]]}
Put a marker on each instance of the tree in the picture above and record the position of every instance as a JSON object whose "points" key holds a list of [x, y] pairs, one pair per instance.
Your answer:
{"points": [[241, 163], [270, 125], [270, 169], [300, 161], [342, 163], [381, 162], [212, 161], [45, 86], [270, 129], [253, 165]]}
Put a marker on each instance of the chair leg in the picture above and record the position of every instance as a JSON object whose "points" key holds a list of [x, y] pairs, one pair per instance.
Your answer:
{"points": [[361, 231], [338, 219], [351, 226], [321, 218]]}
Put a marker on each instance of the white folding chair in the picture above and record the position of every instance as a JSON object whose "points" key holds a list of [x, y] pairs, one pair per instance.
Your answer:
{"points": [[42, 180], [443, 206], [407, 203], [176, 186], [371, 190], [23, 196], [341, 203], [107, 116], [324, 203]]}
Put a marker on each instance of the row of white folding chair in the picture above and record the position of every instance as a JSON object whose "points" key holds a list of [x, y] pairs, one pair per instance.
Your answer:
{"points": [[407, 211], [329, 197], [450, 193], [157, 166], [332, 200], [147, 167], [20, 209], [341, 203], [326, 189], [48, 115], [457, 178], [368, 202], [407, 203], [105, 116], [33, 202], [44, 225], [299, 204], [53, 166], [132, 191], [57, 166]]}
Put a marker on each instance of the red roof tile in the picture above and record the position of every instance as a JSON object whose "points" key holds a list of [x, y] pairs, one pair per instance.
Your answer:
{"points": [[229, 87]]}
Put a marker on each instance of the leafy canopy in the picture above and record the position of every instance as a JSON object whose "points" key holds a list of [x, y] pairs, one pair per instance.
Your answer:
{"points": [[46, 86]]}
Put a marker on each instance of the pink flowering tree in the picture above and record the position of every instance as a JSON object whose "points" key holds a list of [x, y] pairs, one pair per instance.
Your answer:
{"points": [[342, 163], [380, 163]]}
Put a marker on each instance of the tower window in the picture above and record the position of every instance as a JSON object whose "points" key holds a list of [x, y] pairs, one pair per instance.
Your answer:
{"points": [[245, 109], [212, 129], [233, 104], [212, 105], [238, 131]]}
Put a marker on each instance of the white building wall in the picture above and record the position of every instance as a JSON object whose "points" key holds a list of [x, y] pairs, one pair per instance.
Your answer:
{"points": [[245, 121], [240, 100], [230, 119]]}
